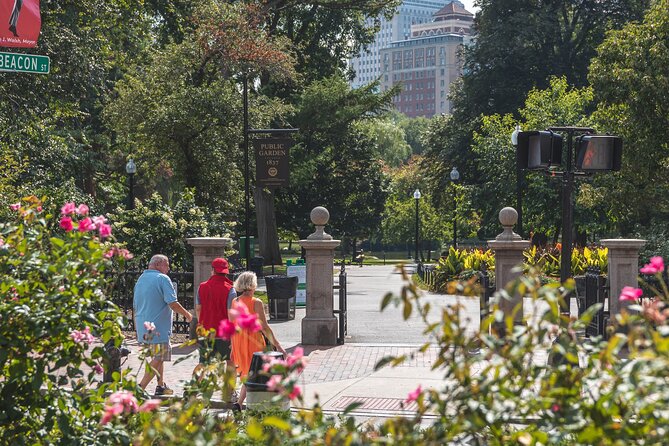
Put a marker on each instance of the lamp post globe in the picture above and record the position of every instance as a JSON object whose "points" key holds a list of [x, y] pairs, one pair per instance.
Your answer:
{"points": [[455, 176], [416, 196], [131, 170]]}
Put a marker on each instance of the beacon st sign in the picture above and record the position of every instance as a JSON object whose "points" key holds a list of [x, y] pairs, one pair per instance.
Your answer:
{"points": [[24, 63]]}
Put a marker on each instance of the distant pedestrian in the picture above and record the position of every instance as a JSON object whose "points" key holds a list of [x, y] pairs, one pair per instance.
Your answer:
{"points": [[212, 302], [246, 343], [154, 300]]}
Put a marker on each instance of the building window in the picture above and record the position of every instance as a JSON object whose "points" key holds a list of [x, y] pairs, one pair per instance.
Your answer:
{"points": [[408, 59], [419, 58]]}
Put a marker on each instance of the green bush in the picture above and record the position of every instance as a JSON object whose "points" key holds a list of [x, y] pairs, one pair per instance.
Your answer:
{"points": [[461, 264], [154, 227]]}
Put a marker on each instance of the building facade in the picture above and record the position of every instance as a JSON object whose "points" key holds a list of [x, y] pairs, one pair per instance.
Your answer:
{"points": [[367, 65], [427, 63]]}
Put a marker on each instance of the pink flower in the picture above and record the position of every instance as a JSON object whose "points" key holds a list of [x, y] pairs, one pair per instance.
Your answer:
{"points": [[81, 336], [118, 403], [86, 225], [2, 243], [15, 206], [82, 210], [149, 326], [66, 224], [68, 209], [296, 393], [655, 266], [125, 254], [109, 254], [630, 294], [274, 383], [97, 368], [295, 356], [99, 220], [39, 208], [149, 405], [226, 329], [105, 230], [413, 396], [244, 319], [555, 407]]}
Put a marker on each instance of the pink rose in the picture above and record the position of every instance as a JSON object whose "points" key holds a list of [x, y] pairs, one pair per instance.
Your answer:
{"points": [[149, 405], [109, 254], [149, 326], [655, 266], [105, 231], [296, 393], [86, 225], [295, 357], [99, 220], [68, 209], [226, 329], [249, 322], [97, 368], [15, 206], [66, 224], [125, 254], [82, 210], [82, 336], [274, 383], [126, 399], [413, 396], [630, 294]]}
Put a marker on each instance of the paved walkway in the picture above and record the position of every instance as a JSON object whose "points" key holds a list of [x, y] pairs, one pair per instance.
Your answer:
{"points": [[339, 375]]}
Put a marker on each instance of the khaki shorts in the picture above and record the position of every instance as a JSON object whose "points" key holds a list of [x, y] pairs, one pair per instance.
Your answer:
{"points": [[160, 351]]}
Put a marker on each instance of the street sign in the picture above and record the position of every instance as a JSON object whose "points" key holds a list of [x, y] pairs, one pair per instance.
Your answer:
{"points": [[24, 63], [272, 161]]}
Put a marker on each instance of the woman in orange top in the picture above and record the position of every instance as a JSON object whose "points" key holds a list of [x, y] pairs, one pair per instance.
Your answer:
{"points": [[245, 343]]}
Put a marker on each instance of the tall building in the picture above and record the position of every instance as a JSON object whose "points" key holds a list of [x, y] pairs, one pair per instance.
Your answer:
{"points": [[367, 64], [427, 62]]}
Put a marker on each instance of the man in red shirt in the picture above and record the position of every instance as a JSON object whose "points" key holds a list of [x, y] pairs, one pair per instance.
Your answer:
{"points": [[212, 303]]}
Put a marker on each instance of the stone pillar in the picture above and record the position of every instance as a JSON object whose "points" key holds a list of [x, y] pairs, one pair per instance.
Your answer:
{"points": [[508, 247], [623, 269], [206, 249], [319, 326]]}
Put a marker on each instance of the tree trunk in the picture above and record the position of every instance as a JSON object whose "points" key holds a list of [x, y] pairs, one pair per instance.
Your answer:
{"points": [[268, 238]]}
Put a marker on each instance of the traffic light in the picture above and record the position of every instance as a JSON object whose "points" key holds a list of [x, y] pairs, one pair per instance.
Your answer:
{"points": [[598, 153], [539, 150]]}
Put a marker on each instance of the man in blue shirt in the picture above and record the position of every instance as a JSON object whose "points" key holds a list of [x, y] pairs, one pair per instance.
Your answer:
{"points": [[154, 300]]}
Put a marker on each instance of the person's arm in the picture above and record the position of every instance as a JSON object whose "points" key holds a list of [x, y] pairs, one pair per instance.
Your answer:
{"points": [[198, 307], [176, 306], [267, 331]]}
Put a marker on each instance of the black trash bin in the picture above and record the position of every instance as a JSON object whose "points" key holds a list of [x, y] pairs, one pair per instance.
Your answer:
{"points": [[258, 395], [256, 264], [281, 292]]}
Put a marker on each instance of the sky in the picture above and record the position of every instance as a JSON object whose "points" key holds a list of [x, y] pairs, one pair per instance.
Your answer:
{"points": [[469, 5]]}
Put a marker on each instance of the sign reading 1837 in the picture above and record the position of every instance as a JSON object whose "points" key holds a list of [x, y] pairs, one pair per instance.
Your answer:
{"points": [[272, 161], [24, 63]]}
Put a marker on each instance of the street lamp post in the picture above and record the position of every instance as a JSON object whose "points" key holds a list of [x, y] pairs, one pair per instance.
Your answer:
{"points": [[131, 170], [416, 196], [519, 181], [455, 176]]}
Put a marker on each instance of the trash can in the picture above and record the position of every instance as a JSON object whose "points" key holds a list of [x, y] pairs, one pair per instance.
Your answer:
{"points": [[257, 394], [256, 265], [281, 292], [242, 246]]}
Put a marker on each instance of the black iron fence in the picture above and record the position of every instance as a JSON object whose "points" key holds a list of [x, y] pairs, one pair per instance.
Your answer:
{"points": [[122, 295], [340, 312]]}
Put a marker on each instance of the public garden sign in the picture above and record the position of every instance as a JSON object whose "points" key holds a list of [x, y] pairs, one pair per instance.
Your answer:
{"points": [[272, 161]]}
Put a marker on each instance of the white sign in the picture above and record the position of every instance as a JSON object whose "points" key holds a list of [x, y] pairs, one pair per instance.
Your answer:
{"points": [[301, 272]]}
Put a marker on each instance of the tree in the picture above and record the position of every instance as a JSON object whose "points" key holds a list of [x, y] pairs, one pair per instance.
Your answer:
{"points": [[389, 139], [629, 76]]}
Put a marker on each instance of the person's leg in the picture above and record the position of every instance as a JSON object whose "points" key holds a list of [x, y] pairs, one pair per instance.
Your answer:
{"points": [[242, 395], [159, 371], [154, 366]]}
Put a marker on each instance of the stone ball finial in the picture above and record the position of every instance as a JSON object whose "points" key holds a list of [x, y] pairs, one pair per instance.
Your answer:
{"points": [[320, 216], [508, 216]]}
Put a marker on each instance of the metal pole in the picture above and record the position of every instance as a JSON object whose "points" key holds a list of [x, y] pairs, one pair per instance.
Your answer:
{"points": [[519, 195], [247, 192], [455, 221], [416, 254], [567, 212], [131, 191]]}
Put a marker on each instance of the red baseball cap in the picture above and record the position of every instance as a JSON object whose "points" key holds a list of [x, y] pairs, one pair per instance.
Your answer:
{"points": [[220, 265]]}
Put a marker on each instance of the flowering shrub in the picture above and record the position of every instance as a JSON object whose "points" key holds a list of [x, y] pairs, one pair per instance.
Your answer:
{"points": [[53, 312]]}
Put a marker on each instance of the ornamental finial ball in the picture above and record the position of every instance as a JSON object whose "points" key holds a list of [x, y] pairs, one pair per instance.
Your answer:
{"points": [[508, 216], [320, 216]]}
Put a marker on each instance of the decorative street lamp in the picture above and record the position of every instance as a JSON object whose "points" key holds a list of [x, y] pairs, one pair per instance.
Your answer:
{"points": [[519, 181], [416, 196], [131, 170], [455, 176]]}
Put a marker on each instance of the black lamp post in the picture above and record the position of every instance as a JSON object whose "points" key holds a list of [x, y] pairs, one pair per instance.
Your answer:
{"points": [[416, 196], [131, 170], [455, 176], [519, 181]]}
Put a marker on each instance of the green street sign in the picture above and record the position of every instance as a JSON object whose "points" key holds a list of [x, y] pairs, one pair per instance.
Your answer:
{"points": [[24, 63]]}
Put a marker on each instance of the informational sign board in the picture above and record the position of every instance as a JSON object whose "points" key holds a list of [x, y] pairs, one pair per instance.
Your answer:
{"points": [[24, 63], [301, 272], [272, 161], [20, 23]]}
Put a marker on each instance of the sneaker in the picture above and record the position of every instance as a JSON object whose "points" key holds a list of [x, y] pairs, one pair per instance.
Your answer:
{"points": [[163, 390], [236, 407], [234, 396]]}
